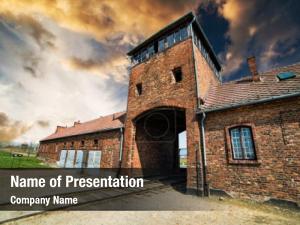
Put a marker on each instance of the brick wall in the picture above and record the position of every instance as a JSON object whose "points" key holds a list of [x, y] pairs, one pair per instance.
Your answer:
{"points": [[205, 74], [159, 90], [277, 139], [108, 143]]}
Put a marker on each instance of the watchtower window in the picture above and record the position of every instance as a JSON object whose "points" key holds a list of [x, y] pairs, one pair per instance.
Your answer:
{"points": [[139, 89], [177, 74]]}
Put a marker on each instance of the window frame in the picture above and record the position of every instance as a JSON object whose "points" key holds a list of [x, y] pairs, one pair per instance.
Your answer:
{"points": [[229, 148], [242, 144]]}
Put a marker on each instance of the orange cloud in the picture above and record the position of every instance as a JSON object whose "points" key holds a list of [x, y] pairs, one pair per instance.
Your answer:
{"points": [[102, 18], [10, 129]]}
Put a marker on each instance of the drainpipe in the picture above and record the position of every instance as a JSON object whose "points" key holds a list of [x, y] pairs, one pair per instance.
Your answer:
{"points": [[203, 152], [120, 151], [121, 146], [198, 153]]}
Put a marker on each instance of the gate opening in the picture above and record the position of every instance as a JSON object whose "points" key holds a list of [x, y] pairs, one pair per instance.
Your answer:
{"points": [[158, 141], [182, 145]]}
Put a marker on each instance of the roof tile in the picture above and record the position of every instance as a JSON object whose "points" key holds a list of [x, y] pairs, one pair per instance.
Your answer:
{"points": [[112, 121], [243, 91]]}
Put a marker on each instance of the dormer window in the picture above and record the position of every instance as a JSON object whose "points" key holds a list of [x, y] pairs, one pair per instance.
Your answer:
{"points": [[177, 74], [139, 89]]}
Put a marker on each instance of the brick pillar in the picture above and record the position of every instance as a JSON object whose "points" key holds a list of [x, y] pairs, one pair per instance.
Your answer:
{"points": [[194, 174]]}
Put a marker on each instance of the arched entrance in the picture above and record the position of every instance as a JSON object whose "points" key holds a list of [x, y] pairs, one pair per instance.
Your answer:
{"points": [[157, 140]]}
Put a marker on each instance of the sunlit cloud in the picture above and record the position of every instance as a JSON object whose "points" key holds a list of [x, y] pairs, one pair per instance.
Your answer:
{"points": [[65, 60], [11, 129]]}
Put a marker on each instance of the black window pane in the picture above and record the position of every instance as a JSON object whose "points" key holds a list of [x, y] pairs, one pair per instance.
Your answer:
{"points": [[139, 89], [136, 58], [177, 74]]}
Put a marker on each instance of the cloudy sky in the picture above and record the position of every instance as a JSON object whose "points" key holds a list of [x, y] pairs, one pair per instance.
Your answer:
{"points": [[65, 60]]}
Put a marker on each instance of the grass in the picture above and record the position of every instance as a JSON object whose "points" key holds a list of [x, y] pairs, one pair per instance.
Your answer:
{"points": [[7, 161]]}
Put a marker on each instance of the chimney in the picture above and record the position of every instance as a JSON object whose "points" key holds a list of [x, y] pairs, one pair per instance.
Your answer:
{"points": [[76, 123], [253, 69], [59, 128]]}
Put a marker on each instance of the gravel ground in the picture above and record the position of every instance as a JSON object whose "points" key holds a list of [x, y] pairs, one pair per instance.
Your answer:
{"points": [[201, 211]]}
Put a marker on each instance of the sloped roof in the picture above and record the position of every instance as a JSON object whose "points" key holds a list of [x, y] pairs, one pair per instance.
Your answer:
{"points": [[244, 92], [108, 122]]}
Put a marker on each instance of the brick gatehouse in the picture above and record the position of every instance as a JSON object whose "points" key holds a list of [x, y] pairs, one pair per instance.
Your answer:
{"points": [[243, 137]]}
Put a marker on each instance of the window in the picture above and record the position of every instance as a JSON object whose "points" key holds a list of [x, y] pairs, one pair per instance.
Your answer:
{"points": [[62, 158], [183, 33], [177, 74], [82, 143], [94, 159], [161, 45], [170, 40], [139, 89], [70, 159], [137, 58], [177, 36], [65, 144], [285, 75], [242, 143], [151, 50], [144, 55], [79, 159], [96, 142], [72, 144]]}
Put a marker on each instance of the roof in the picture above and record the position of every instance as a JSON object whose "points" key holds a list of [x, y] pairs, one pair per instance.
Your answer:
{"points": [[104, 123], [188, 18], [246, 91]]}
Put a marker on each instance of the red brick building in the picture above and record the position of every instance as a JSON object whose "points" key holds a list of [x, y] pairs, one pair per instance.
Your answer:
{"points": [[243, 137]]}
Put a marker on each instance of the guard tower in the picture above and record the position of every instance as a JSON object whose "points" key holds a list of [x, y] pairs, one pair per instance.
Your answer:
{"points": [[171, 72]]}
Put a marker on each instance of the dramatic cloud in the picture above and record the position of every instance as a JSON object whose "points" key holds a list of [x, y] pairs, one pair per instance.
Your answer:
{"points": [[102, 18], [258, 28], [10, 129], [27, 23], [65, 60]]}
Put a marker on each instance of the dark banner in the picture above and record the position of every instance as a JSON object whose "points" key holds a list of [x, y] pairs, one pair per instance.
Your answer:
{"points": [[87, 189]]}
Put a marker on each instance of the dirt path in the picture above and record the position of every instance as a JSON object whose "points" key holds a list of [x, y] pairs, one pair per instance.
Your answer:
{"points": [[208, 211]]}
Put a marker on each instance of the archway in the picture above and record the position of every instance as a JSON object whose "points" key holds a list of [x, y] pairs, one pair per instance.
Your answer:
{"points": [[157, 140]]}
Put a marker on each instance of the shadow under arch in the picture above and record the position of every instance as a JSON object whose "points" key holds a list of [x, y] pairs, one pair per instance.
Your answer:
{"points": [[156, 138]]}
